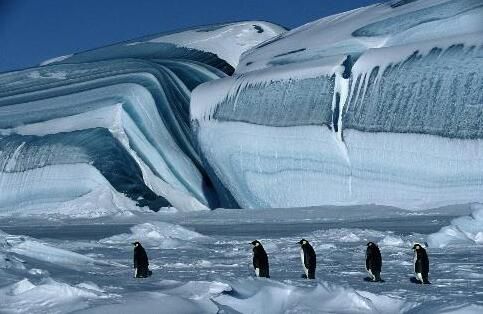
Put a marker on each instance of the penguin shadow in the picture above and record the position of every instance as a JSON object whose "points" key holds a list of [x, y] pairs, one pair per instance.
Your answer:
{"points": [[369, 279], [416, 281]]}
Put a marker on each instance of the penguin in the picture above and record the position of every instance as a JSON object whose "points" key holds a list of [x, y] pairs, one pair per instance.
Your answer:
{"points": [[309, 258], [373, 261], [260, 260], [141, 261], [421, 264]]}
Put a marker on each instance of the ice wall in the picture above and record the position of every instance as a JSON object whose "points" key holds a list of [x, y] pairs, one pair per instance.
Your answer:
{"points": [[381, 105], [109, 128]]}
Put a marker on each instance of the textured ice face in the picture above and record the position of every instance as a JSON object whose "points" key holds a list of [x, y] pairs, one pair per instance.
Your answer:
{"points": [[353, 32], [382, 117], [219, 46], [108, 130], [377, 105], [127, 119]]}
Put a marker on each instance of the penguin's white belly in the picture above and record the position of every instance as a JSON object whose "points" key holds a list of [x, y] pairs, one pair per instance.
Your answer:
{"points": [[414, 261], [303, 263], [419, 276]]}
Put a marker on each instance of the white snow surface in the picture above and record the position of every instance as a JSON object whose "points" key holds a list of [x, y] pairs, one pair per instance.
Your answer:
{"points": [[56, 59], [286, 167], [157, 234], [462, 230], [66, 245], [363, 107], [227, 41], [398, 26], [49, 296], [70, 267]]}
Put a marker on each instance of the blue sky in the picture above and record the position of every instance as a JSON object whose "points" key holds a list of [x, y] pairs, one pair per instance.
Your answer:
{"points": [[35, 30]]}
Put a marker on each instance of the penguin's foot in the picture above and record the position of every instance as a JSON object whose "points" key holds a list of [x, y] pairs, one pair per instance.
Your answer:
{"points": [[415, 280]]}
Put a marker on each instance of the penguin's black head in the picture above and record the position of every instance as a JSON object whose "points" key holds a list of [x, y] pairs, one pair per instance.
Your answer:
{"points": [[416, 246], [256, 242], [370, 243], [303, 241], [136, 243]]}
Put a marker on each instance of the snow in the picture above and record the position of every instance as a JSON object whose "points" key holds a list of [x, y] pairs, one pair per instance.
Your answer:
{"points": [[56, 59], [227, 41], [207, 266], [127, 111], [249, 295], [344, 110], [304, 166], [362, 126], [157, 234], [51, 296], [374, 26], [26, 247], [77, 190], [462, 230]]}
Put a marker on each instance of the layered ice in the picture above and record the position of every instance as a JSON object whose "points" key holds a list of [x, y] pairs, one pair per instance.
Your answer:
{"points": [[107, 131], [217, 45], [379, 105], [375, 26]]}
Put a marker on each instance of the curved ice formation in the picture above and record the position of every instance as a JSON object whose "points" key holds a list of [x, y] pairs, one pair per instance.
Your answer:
{"points": [[109, 128], [217, 45], [351, 109], [375, 26]]}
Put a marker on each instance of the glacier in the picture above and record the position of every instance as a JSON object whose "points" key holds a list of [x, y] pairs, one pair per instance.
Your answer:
{"points": [[107, 131], [378, 105]]}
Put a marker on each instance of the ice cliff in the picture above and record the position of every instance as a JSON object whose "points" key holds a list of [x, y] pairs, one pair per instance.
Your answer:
{"points": [[382, 104], [107, 130]]}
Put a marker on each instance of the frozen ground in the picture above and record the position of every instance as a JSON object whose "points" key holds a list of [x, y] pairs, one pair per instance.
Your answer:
{"points": [[201, 262]]}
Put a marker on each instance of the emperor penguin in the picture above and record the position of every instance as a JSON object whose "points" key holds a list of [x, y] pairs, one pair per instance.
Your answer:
{"points": [[260, 260], [421, 263], [141, 262], [309, 258], [373, 261]]}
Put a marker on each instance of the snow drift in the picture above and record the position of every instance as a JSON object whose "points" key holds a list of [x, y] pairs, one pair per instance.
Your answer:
{"points": [[266, 296], [156, 234], [463, 230]]}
